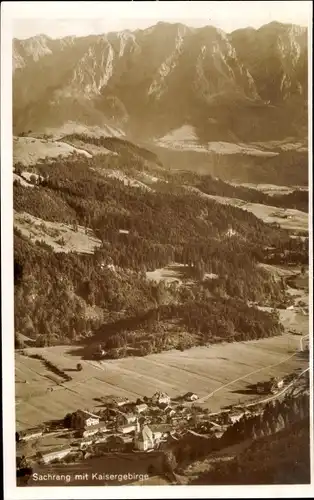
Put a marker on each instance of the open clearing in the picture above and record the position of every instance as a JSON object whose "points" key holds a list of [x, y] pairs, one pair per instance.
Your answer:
{"points": [[175, 273], [270, 189], [72, 127], [185, 139], [287, 218], [89, 147], [61, 237], [127, 181], [29, 151], [171, 273]]}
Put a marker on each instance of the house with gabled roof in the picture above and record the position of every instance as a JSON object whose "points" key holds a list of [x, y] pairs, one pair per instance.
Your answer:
{"points": [[82, 419], [141, 408]]}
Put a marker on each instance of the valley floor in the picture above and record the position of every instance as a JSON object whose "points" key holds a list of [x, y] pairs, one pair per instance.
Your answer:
{"points": [[219, 374]]}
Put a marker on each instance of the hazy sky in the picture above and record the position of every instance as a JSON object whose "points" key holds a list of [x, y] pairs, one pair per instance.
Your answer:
{"points": [[58, 19]]}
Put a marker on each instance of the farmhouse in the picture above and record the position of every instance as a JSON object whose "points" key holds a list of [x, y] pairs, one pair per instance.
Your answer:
{"points": [[160, 398], [141, 408], [115, 401], [270, 386], [57, 454], [191, 396], [93, 429], [83, 418]]}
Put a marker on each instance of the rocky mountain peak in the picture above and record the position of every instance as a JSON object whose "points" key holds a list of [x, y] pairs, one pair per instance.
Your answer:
{"points": [[163, 76]]}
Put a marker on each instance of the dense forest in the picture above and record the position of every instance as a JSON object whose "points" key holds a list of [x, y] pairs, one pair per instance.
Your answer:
{"points": [[133, 155], [294, 251], [64, 297]]}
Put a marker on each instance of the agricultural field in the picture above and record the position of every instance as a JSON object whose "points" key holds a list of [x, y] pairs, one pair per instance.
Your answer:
{"points": [[219, 374]]}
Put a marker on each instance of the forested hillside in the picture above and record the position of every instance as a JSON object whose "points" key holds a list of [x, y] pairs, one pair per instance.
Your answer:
{"points": [[64, 297], [280, 451]]}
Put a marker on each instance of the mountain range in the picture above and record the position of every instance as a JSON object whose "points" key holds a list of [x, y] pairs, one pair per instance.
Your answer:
{"points": [[249, 85]]}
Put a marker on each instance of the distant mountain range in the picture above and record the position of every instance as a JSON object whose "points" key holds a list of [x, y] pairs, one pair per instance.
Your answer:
{"points": [[250, 85]]}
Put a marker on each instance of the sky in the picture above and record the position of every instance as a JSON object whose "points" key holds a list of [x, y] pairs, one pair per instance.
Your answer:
{"points": [[59, 19]]}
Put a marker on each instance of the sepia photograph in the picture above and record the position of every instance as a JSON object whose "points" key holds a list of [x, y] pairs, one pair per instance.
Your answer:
{"points": [[157, 252]]}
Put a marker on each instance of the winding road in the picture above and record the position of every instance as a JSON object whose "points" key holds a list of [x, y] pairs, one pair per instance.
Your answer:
{"points": [[205, 398]]}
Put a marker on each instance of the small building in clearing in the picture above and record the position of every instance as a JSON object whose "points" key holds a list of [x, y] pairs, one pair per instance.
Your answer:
{"points": [[191, 396], [115, 401]]}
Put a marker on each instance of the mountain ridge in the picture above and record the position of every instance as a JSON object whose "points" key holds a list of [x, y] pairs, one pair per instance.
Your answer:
{"points": [[149, 82]]}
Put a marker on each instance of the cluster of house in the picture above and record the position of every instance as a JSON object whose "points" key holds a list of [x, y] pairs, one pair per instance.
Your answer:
{"points": [[126, 422], [122, 422]]}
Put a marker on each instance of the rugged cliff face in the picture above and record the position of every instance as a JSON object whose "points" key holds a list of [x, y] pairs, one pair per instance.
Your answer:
{"points": [[247, 85]]}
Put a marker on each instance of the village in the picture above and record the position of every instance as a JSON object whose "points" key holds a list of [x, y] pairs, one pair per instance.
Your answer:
{"points": [[142, 426]]}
